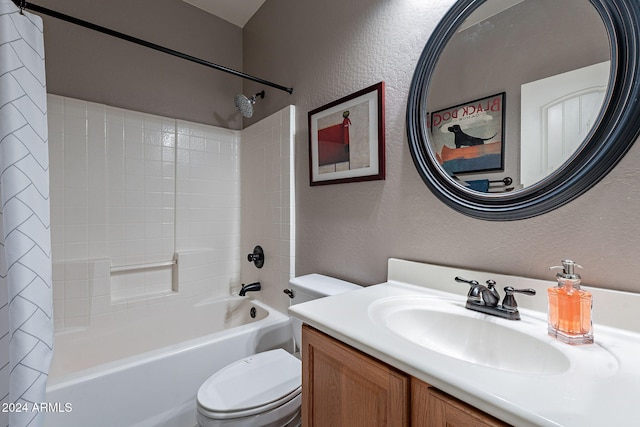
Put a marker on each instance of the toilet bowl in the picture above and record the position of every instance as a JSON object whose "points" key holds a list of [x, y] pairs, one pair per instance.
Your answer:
{"points": [[264, 390], [259, 390]]}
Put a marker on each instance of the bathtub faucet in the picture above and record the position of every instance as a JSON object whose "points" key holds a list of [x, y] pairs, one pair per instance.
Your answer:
{"points": [[251, 287]]}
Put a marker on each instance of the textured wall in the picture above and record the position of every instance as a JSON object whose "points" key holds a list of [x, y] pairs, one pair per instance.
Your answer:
{"points": [[95, 67], [328, 49]]}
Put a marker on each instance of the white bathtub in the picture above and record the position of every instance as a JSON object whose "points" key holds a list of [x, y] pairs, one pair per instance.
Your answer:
{"points": [[147, 373]]}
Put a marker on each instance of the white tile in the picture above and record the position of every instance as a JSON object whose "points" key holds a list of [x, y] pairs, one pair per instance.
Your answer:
{"points": [[76, 321], [168, 154], [78, 270], [153, 138], [77, 235], [183, 156], [76, 307], [133, 149], [197, 130], [152, 231], [133, 119], [134, 215], [55, 126], [58, 309], [183, 141], [153, 215], [101, 320], [58, 290], [168, 139], [151, 122], [169, 125], [133, 232], [207, 165], [55, 104], [182, 127], [168, 169], [134, 198], [152, 168], [75, 126], [96, 124], [75, 289], [75, 108], [153, 152]]}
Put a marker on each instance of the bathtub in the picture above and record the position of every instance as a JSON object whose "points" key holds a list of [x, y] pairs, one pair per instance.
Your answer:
{"points": [[147, 373]]}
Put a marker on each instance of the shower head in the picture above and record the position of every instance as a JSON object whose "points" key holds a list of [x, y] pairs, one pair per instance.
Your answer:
{"points": [[245, 105]]}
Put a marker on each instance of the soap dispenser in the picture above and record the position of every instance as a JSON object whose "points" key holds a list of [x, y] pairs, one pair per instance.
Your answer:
{"points": [[570, 307]]}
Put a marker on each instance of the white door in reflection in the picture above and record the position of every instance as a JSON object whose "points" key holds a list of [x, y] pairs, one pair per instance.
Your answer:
{"points": [[557, 115]]}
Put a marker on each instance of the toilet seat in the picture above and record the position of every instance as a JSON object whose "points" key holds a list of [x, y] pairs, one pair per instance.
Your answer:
{"points": [[251, 386]]}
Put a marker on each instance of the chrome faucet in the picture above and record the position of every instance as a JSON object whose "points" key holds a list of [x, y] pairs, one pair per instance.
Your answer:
{"points": [[251, 287], [484, 299]]}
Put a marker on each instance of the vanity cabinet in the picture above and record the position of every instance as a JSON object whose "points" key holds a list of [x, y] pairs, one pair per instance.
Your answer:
{"points": [[431, 407], [342, 386]]}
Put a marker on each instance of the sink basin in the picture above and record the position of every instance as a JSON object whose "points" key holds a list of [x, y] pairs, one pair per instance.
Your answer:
{"points": [[446, 327]]}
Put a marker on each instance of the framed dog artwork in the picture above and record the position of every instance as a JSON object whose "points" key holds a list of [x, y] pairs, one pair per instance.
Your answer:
{"points": [[469, 138]]}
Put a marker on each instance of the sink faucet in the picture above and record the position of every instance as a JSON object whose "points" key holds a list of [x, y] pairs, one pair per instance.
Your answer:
{"points": [[484, 299], [251, 287], [481, 294]]}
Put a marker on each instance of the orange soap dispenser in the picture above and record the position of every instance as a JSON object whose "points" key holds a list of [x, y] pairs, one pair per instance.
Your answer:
{"points": [[570, 307]]}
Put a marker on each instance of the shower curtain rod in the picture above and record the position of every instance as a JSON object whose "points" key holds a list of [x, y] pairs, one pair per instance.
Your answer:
{"points": [[39, 9]]}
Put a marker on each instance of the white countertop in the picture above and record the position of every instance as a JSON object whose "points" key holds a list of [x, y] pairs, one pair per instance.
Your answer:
{"points": [[601, 386]]}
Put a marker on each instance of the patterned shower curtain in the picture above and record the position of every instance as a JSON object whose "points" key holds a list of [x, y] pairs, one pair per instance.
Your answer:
{"points": [[26, 307]]}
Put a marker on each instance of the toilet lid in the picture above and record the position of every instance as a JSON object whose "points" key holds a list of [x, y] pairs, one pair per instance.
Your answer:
{"points": [[253, 384]]}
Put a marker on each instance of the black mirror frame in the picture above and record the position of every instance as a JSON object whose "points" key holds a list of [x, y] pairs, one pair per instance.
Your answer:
{"points": [[608, 142]]}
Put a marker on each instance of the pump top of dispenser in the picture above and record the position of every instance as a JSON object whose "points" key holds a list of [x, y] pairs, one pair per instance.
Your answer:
{"points": [[568, 270]]}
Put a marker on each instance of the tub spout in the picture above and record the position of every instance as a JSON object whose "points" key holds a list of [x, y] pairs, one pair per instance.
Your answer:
{"points": [[251, 287]]}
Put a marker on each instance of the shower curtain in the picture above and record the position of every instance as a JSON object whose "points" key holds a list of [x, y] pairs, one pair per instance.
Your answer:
{"points": [[26, 307]]}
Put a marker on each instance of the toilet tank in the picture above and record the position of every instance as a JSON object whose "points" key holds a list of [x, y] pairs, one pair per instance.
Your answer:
{"points": [[314, 286]]}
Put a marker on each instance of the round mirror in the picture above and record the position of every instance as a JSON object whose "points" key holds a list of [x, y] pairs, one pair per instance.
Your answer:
{"points": [[519, 106]]}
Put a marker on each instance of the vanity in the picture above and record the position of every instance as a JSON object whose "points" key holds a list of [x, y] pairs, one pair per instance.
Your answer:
{"points": [[408, 352], [344, 386]]}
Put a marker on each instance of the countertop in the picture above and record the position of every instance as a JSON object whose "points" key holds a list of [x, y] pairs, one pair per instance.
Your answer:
{"points": [[599, 388]]}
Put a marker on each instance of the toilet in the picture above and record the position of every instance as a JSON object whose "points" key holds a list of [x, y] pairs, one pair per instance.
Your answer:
{"points": [[264, 389]]}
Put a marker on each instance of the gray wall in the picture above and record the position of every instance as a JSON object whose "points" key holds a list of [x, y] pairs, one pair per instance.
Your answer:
{"points": [[329, 49], [88, 65]]}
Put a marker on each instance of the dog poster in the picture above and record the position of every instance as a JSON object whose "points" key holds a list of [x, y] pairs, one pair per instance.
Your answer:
{"points": [[469, 137]]}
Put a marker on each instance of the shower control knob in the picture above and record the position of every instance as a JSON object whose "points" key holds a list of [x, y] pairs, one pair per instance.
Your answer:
{"points": [[256, 257]]}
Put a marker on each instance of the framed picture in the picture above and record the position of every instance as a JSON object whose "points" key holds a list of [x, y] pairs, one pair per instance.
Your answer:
{"points": [[346, 138], [469, 137]]}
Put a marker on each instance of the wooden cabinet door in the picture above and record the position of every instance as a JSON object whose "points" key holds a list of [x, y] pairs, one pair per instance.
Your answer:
{"points": [[342, 387], [432, 408]]}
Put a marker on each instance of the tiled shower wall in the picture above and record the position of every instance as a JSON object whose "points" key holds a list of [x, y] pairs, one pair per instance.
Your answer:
{"points": [[268, 207], [129, 189]]}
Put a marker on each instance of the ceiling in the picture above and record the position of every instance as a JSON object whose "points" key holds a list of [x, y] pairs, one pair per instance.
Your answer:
{"points": [[237, 12]]}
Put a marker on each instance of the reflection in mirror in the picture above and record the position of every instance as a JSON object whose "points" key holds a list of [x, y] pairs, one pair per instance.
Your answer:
{"points": [[557, 114], [550, 61]]}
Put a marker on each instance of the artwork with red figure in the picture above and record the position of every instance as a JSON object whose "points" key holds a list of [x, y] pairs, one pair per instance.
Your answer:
{"points": [[333, 142], [346, 138]]}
